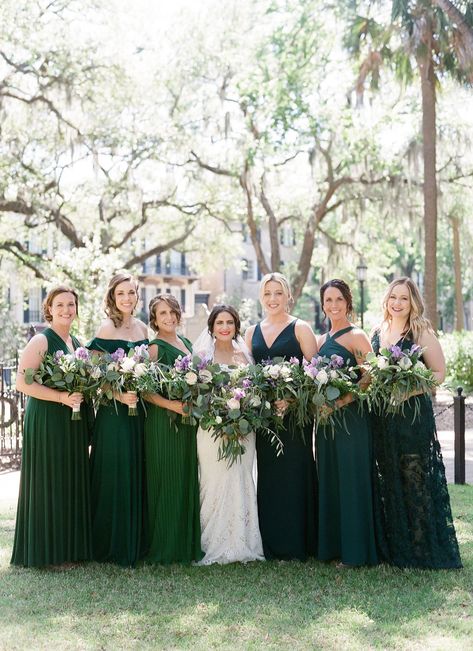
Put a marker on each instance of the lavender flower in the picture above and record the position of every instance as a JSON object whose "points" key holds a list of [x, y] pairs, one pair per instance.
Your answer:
{"points": [[118, 355], [57, 355], [337, 361], [81, 353], [204, 362], [415, 349], [239, 393], [183, 363], [246, 383], [140, 352], [294, 360], [396, 352]]}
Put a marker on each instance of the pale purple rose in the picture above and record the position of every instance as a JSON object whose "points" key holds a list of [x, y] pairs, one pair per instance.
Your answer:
{"points": [[239, 393], [118, 355], [183, 363], [336, 361], [294, 360], [58, 354], [81, 353], [246, 383], [396, 352], [204, 362], [415, 349]]}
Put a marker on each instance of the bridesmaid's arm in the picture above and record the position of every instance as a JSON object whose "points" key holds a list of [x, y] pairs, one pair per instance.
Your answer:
{"points": [[306, 338], [31, 357], [158, 400], [360, 346], [433, 355], [249, 337]]}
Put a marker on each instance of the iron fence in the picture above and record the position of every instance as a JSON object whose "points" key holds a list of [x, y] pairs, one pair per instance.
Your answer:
{"points": [[12, 404]]}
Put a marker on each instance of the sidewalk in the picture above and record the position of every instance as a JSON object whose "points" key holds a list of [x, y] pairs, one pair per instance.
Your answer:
{"points": [[9, 480]]}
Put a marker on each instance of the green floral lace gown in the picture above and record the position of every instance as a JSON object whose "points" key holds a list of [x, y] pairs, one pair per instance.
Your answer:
{"points": [[117, 476], [53, 517], [414, 525], [172, 479], [344, 458]]}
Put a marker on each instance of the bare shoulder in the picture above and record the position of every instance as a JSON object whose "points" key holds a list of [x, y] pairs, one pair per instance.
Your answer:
{"points": [[143, 328], [303, 327], [321, 339], [38, 343], [428, 340], [106, 329], [249, 335]]}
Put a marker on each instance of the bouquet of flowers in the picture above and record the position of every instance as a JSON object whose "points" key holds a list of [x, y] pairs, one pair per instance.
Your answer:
{"points": [[396, 375], [326, 379], [277, 379], [121, 372], [72, 372], [192, 380], [237, 409]]}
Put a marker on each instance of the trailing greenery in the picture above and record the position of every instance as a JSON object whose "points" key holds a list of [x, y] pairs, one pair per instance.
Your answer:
{"points": [[458, 349], [262, 605]]}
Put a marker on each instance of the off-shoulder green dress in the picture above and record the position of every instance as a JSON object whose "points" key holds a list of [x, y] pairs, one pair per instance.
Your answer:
{"points": [[53, 517], [117, 476]]}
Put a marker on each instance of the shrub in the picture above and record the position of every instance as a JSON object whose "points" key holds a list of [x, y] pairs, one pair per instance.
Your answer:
{"points": [[458, 350]]}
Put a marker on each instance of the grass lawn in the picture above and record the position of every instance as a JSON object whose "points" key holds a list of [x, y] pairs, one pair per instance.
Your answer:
{"points": [[274, 605]]}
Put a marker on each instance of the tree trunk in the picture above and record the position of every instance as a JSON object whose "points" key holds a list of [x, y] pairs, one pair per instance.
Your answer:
{"points": [[426, 69], [459, 319]]}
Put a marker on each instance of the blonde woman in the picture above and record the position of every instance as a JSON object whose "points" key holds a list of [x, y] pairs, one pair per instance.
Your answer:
{"points": [[286, 488], [413, 518], [117, 477]]}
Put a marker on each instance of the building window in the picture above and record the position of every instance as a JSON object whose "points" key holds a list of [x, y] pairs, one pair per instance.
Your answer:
{"points": [[248, 271], [183, 300]]}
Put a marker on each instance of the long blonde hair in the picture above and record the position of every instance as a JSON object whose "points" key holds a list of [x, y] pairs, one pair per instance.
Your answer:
{"points": [[417, 323], [109, 303], [283, 281]]}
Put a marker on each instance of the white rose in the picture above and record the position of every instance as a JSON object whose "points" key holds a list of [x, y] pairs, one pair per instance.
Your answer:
{"points": [[382, 362], [285, 372], [218, 420], [191, 378], [205, 376], [419, 365], [405, 363], [233, 403], [322, 377], [274, 371], [333, 375], [128, 364], [255, 402], [140, 369]]}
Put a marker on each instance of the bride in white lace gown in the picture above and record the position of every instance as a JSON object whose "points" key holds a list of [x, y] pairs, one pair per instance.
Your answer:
{"points": [[228, 507]]}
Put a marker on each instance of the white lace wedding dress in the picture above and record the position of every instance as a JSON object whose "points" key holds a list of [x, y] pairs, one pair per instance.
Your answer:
{"points": [[228, 507]]}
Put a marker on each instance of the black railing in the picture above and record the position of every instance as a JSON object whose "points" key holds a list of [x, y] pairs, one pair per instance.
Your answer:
{"points": [[12, 405]]}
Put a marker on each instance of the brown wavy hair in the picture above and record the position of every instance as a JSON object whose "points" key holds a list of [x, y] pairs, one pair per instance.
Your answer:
{"points": [[344, 290], [417, 323], [218, 309], [170, 301], [51, 295], [109, 304]]}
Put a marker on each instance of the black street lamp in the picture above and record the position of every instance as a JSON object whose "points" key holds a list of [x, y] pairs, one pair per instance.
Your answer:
{"points": [[361, 276]]}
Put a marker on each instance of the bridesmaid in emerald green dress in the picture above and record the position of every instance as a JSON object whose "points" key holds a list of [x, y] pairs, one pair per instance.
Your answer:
{"points": [[116, 462], [346, 524], [414, 524], [53, 517], [171, 453], [287, 484]]}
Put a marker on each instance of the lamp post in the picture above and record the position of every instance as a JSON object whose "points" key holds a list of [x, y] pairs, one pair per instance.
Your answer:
{"points": [[361, 276]]}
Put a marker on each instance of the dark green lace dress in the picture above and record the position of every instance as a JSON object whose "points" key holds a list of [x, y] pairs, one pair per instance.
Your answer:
{"points": [[172, 479], [414, 525], [53, 517], [117, 476], [346, 524], [287, 485]]}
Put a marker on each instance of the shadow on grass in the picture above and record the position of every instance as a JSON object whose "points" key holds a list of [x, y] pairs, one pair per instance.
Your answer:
{"points": [[261, 605]]}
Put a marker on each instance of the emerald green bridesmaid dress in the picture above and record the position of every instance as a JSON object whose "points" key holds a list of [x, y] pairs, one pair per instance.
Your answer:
{"points": [[413, 518], [117, 476], [346, 524], [53, 517], [172, 479]]}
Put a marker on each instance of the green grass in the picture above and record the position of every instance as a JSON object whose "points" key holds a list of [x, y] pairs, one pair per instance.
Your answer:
{"points": [[259, 606]]}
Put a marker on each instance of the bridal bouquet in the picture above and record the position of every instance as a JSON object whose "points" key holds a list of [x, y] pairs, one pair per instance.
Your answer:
{"points": [[396, 375], [192, 380], [72, 372], [237, 409], [326, 379], [120, 372]]}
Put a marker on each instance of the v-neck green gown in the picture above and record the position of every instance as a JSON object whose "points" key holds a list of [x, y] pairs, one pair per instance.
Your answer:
{"points": [[172, 479], [117, 476], [346, 524], [53, 517]]}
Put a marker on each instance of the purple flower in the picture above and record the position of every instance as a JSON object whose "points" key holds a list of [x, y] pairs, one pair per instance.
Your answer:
{"points": [[81, 353], [396, 352], [118, 355], [415, 349], [294, 360], [140, 352], [58, 354], [336, 361], [246, 383], [267, 362], [204, 362], [183, 363], [239, 393]]}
